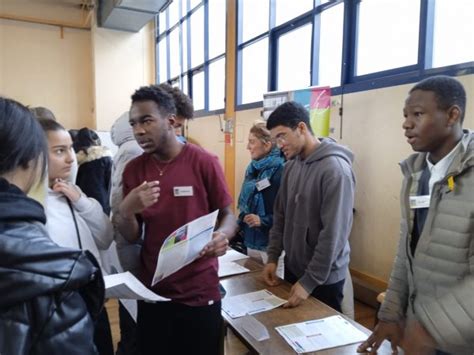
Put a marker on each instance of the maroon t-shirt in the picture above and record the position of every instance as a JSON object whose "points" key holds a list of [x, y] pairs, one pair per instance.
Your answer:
{"points": [[195, 284]]}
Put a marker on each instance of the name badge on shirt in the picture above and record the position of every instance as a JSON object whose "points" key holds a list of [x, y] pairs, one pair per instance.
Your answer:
{"points": [[420, 201], [262, 184], [183, 191]]}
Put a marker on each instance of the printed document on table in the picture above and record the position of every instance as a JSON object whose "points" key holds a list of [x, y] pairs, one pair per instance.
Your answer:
{"points": [[183, 246], [232, 255], [127, 286], [251, 303], [230, 268], [321, 334]]}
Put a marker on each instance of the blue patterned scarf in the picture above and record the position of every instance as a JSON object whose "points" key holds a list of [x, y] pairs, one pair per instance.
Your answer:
{"points": [[249, 200]]}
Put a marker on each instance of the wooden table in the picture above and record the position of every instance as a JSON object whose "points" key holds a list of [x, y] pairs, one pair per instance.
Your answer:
{"points": [[308, 310]]}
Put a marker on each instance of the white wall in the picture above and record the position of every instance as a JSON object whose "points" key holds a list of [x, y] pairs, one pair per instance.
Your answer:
{"points": [[122, 62]]}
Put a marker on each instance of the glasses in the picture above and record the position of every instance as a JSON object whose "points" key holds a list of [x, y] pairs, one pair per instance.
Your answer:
{"points": [[282, 137]]}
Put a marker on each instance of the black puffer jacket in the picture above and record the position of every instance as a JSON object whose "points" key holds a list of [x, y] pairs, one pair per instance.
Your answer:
{"points": [[94, 174], [45, 290]]}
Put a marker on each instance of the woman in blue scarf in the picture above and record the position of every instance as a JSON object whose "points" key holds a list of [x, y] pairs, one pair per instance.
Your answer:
{"points": [[259, 189]]}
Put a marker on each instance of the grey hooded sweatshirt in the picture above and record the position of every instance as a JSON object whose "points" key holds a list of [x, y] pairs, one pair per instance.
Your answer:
{"points": [[313, 216], [122, 136]]}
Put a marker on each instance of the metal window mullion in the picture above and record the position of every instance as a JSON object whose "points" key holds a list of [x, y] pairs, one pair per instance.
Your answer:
{"points": [[315, 49], [272, 14], [272, 66], [426, 35], [206, 54], [349, 39]]}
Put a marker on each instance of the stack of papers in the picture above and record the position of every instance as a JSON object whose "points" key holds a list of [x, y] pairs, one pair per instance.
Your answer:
{"points": [[127, 286], [251, 303], [321, 334], [228, 267]]}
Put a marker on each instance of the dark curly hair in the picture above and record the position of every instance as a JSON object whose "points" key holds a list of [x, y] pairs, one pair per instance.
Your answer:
{"points": [[448, 91], [289, 114], [164, 100], [184, 105]]}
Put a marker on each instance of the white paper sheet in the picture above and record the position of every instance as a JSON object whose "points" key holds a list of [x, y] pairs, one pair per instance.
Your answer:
{"points": [[131, 307], [127, 286], [232, 255], [183, 246], [230, 268], [251, 303], [321, 334], [255, 328]]}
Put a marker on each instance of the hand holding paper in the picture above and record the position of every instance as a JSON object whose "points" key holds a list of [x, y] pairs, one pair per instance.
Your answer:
{"points": [[217, 246], [185, 245]]}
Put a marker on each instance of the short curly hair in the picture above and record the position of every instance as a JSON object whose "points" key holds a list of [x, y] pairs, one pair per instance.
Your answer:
{"points": [[161, 97], [184, 105], [289, 114], [448, 91]]}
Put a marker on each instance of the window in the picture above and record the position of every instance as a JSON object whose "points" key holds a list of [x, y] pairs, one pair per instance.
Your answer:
{"points": [[330, 47], [198, 91], [453, 38], [175, 62], [289, 9], [255, 18], [387, 35], [197, 37], [186, 29], [299, 46], [216, 84], [216, 28], [254, 71], [184, 33], [162, 62], [162, 22], [173, 13], [294, 59]]}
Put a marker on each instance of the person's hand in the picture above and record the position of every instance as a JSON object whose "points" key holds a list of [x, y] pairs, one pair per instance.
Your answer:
{"points": [[297, 295], [67, 189], [417, 341], [383, 330], [269, 274], [252, 220], [217, 246], [140, 198]]}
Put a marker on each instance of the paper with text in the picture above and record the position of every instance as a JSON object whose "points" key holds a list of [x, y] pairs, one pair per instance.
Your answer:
{"points": [[230, 268], [321, 334], [127, 286], [183, 246], [251, 303]]}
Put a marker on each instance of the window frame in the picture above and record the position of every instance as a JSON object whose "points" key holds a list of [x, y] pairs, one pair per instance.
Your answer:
{"points": [[350, 82], [190, 71]]}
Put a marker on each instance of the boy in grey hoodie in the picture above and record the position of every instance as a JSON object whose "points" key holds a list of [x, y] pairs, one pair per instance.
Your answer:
{"points": [[313, 210]]}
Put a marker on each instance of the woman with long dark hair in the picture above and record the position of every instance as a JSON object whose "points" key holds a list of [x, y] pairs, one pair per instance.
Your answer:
{"points": [[49, 294]]}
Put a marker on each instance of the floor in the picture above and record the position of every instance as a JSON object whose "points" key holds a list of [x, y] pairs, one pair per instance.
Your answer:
{"points": [[364, 315]]}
